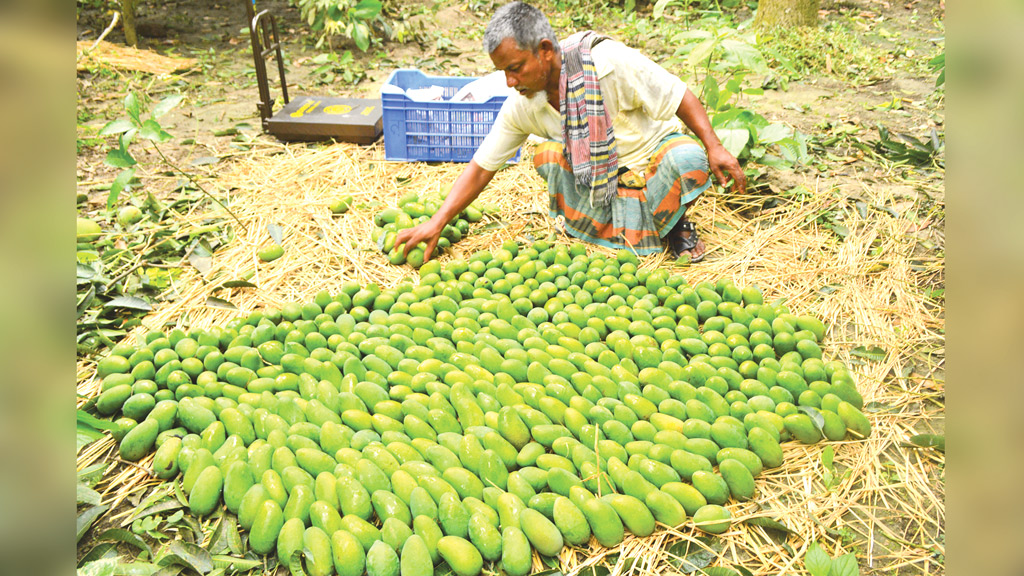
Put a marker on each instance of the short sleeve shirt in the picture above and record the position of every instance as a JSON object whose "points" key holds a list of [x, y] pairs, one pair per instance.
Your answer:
{"points": [[641, 98]]}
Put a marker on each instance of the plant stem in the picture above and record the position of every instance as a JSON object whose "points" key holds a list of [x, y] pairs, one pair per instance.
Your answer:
{"points": [[199, 186]]}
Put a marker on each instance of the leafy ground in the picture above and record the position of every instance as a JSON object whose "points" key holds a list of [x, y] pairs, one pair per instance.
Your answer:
{"points": [[861, 90]]}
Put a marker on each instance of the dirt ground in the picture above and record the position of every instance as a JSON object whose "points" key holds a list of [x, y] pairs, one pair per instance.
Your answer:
{"points": [[222, 94]]}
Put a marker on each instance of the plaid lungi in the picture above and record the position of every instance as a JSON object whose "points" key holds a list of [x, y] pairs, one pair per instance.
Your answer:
{"points": [[640, 216]]}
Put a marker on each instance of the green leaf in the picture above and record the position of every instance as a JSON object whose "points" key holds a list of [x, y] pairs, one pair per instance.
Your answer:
{"points": [[161, 506], [295, 564], [930, 441], [187, 554], [119, 158], [137, 569], [700, 54], [86, 437], [133, 107], [165, 105], [238, 284], [769, 523], [845, 565], [234, 564], [361, 36], [104, 567], [711, 92], [774, 132], [873, 353], [734, 139], [367, 9], [226, 538], [214, 302], [827, 457], [99, 552], [125, 537], [120, 182], [718, 571], [151, 130], [688, 557], [659, 9], [205, 160], [816, 417], [85, 519], [129, 302], [119, 126], [87, 495], [745, 55], [90, 420], [817, 560]]}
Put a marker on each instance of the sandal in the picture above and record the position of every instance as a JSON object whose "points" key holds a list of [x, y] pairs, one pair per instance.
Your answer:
{"points": [[679, 244]]}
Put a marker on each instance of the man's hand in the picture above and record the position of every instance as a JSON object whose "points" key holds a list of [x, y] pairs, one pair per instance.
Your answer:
{"points": [[721, 163], [427, 232]]}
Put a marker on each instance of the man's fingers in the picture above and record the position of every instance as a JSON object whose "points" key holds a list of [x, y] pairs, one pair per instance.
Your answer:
{"points": [[719, 175], [429, 251]]}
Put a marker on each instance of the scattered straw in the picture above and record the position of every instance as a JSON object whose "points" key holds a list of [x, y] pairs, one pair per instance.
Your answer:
{"points": [[92, 54], [868, 287]]}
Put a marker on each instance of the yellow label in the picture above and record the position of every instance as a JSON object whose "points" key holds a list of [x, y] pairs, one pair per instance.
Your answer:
{"points": [[366, 111], [306, 108], [338, 109]]}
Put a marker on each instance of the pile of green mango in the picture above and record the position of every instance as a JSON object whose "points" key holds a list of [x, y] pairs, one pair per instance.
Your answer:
{"points": [[415, 209], [522, 400]]}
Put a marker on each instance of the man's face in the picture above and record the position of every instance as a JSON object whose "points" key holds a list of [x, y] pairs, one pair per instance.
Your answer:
{"points": [[525, 71]]}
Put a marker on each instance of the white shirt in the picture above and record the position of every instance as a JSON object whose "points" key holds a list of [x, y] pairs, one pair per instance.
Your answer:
{"points": [[641, 98]]}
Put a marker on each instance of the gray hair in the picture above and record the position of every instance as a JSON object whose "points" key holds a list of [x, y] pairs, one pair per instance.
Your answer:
{"points": [[522, 22]]}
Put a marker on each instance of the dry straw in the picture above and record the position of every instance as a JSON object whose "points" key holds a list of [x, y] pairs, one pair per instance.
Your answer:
{"points": [[128, 58], [867, 287]]}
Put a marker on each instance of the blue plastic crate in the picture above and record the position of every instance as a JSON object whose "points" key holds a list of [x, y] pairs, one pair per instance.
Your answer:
{"points": [[434, 131]]}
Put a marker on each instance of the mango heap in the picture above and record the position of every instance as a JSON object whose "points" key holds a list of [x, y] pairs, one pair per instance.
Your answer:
{"points": [[521, 400], [412, 210]]}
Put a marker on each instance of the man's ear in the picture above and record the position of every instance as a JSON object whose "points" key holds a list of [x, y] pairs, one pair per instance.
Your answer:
{"points": [[546, 48]]}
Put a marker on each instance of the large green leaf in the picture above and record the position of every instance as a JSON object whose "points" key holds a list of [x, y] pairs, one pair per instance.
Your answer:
{"points": [[87, 495], [187, 554], [745, 55], [817, 561], [104, 567], [130, 302], [165, 105], [121, 181], [119, 126], [699, 56], [125, 537], [929, 441], [367, 9], [85, 519], [120, 158], [734, 139], [845, 565], [772, 133], [659, 9], [361, 36], [133, 106], [151, 130]]}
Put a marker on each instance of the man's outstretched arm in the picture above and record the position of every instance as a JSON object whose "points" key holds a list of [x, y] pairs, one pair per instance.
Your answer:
{"points": [[466, 188], [721, 162]]}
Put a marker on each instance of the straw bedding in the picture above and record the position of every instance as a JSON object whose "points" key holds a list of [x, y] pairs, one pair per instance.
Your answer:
{"points": [[867, 287]]}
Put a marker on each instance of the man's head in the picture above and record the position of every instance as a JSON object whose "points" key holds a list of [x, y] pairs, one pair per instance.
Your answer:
{"points": [[521, 42]]}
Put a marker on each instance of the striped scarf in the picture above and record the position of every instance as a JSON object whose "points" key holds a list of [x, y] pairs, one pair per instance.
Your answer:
{"points": [[586, 127]]}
